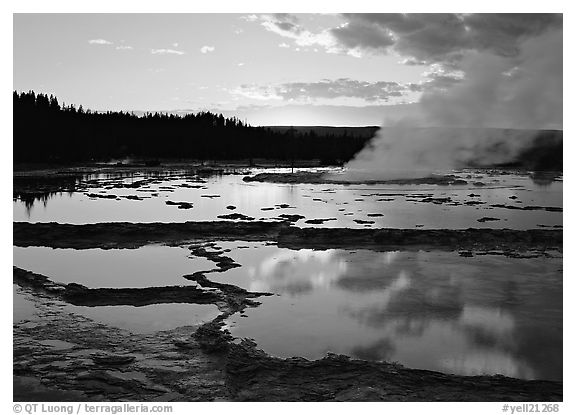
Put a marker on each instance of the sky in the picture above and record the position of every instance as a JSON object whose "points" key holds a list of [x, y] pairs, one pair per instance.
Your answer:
{"points": [[280, 69]]}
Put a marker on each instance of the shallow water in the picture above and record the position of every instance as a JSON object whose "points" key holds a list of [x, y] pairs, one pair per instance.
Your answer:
{"points": [[431, 310], [148, 266], [485, 314], [396, 206], [23, 307], [150, 318], [142, 320]]}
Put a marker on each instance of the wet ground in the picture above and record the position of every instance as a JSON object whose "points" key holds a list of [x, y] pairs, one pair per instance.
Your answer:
{"points": [[427, 295]]}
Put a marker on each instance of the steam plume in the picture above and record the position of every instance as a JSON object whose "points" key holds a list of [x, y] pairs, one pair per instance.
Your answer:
{"points": [[487, 118]]}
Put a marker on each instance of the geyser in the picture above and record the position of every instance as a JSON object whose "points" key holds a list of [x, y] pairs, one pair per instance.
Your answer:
{"points": [[487, 118]]}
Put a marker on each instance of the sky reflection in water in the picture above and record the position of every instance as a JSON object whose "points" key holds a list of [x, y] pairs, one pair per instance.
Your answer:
{"points": [[345, 203], [431, 310], [143, 320], [148, 266]]}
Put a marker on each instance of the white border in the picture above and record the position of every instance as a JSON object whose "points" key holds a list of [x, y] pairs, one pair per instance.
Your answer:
{"points": [[254, 6]]}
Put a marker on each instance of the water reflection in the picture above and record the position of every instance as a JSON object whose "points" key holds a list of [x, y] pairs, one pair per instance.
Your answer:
{"points": [[296, 272], [433, 310], [144, 320], [23, 307], [141, 197], [31, 190], [148, 266], [150, 318]]}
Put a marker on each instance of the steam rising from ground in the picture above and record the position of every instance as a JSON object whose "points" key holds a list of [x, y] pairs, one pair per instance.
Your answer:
{"points": [[465, 123]]}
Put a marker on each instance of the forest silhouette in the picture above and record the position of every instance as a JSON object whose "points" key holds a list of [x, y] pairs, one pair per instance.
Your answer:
{"points": [[46, 131]]}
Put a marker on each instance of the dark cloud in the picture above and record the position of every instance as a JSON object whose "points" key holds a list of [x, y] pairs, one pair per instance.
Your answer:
{"points": [[503, 33], [363, 35], [442, 38]]}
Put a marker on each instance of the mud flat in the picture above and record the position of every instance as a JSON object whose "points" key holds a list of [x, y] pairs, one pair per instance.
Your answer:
{"points": [[133, 235], [322, 178]]}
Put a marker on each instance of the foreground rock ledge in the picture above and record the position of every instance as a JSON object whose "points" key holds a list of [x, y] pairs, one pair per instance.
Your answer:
{"points": [[209, 364], [254, 376], [134, 235]]}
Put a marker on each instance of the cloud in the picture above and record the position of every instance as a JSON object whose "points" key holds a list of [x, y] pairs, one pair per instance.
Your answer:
{"points": [[258, 92], [441, 37], [124, 47], [369, 92], [289, 26], [207, 49], [356, 35], [380, 91], [283, 45], [250, 18], [166, 52], [99, 42], [421, 39]]}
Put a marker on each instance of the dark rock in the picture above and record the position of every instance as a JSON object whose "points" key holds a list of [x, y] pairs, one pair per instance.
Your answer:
{"points": [[181, 205], [319, 221], [360, 221], [512, 207], [113, 360], [291, 218], [235, 216], [96, 195], [487, 219], [185, 205]]}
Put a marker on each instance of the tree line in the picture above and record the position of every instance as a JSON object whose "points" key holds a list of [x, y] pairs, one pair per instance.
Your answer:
{"points": [[47, 131]]}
